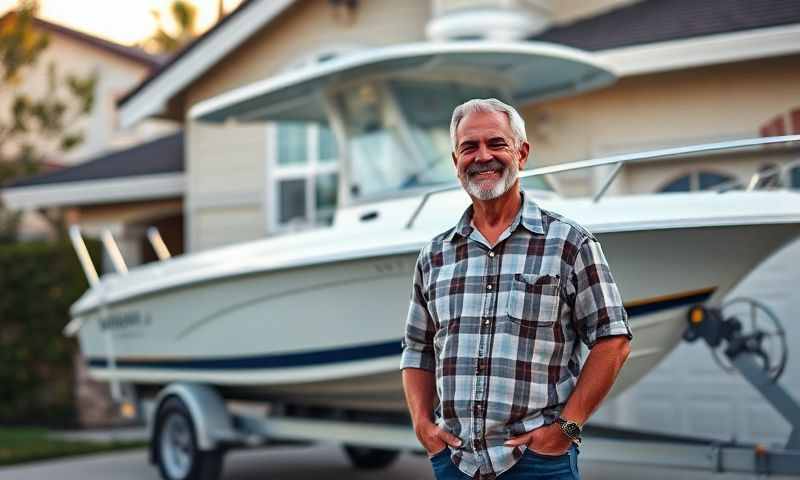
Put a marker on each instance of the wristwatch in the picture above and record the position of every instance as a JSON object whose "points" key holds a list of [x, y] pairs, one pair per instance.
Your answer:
{"points": [[570, 429]]}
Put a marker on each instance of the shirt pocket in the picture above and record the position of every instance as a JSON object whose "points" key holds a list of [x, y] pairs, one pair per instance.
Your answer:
{"points": [[534, 299]]}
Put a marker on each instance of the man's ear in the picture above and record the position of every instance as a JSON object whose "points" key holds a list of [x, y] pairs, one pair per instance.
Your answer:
{"points": [[455, 160], [524, 151]]}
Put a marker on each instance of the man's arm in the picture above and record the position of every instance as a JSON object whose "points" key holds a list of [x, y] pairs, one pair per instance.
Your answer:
{"points": [[597, 376], [420, 390], [419, 364]]}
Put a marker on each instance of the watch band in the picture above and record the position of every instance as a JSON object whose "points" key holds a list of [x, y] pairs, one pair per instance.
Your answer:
{"points": [[571, 429]]}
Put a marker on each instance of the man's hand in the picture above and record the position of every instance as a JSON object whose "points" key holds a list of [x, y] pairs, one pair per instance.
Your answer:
{"points": [[547, 440], [433, 438]]}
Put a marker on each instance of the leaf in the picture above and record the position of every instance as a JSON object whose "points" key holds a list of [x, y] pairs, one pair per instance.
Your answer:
{"points": [[71, 141]]}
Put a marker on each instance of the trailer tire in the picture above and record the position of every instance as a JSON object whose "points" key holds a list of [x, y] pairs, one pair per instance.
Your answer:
{"points": [[175, 446], [365, 458]]}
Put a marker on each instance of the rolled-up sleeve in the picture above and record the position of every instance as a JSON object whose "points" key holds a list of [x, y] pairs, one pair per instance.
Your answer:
{"points": [[418, 340], [598, 310]]}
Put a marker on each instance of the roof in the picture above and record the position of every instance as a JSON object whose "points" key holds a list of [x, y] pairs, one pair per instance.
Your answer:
{"points": [[650, 21], [186, 49], [163, 155], [206, 51], [131, 53], [642, 23]]}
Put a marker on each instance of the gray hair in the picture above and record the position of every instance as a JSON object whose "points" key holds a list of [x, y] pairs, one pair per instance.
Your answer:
{"points": [[488, 105]]}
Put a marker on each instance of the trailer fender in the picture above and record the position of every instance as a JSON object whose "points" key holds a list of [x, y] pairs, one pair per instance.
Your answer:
{"points": [[213, 424]]}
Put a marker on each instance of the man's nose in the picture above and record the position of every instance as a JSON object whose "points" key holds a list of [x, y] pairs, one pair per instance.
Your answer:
{"points": [[483, 154]]}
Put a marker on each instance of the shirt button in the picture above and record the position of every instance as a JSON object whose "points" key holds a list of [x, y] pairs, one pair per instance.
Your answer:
{"points": [[491, 253], [489, 287], [486, 321]]}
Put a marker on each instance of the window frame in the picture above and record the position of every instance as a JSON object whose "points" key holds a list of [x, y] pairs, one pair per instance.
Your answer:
{"points": [[694, 180], [308, 171]]}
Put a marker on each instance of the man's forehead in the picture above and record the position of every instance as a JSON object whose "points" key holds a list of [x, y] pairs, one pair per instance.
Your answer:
{"points": [[478, 125]]}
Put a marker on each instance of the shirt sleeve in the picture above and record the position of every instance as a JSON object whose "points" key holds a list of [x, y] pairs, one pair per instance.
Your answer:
{"points": [[420, 329], [598, 310]]}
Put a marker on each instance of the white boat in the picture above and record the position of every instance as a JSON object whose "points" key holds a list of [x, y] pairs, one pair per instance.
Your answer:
{"points": [[316, 318]]}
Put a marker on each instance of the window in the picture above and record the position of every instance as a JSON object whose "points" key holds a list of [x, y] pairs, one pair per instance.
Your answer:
{"points": [[709, 180], [696, 181], [794, 177], [304, 176]]}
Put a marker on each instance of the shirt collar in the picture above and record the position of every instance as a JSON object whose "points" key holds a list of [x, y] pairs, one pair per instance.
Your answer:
{"points": [[529, 216]]}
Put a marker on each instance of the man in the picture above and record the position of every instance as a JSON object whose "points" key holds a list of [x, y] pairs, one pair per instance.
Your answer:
{"points": [[499, 305]]}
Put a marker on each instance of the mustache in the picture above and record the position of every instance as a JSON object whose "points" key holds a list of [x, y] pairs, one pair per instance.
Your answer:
{"points": [[481, 167]]}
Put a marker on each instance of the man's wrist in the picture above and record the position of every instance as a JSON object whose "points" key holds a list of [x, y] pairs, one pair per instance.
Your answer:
{"points": [[421, 422]]}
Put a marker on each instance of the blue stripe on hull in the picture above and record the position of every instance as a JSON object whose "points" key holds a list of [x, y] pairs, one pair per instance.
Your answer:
{"points": [[281, 360], [649, 308], [336, 355]]}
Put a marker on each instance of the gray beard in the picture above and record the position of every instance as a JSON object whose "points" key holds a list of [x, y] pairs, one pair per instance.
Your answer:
{"points": [[510, 175]]}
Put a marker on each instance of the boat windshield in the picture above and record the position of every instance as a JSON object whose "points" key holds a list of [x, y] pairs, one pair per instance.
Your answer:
{"points": [[398, 135]]}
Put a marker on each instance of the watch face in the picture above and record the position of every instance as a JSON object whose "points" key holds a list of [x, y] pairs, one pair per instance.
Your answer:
{"points": [[572, 429]]}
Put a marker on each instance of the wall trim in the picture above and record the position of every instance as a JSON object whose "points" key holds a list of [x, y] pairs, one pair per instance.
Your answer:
{"points": [[110, 190], [705, 50]]}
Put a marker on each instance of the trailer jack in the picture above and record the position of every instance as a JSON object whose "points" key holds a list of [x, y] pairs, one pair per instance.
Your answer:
{"points": [[744, 339]]}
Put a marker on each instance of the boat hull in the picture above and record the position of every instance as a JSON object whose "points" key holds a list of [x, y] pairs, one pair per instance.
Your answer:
{"points": [[329, 334]]}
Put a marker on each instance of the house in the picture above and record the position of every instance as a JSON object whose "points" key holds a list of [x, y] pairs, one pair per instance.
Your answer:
{"points": [[690, 72], [118, 68]]}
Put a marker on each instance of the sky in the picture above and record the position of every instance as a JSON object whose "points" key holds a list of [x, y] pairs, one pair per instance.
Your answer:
{"points": [[121, 21]]}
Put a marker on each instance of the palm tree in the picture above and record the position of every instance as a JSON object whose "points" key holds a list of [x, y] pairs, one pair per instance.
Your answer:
{"points": [[184, 13]]}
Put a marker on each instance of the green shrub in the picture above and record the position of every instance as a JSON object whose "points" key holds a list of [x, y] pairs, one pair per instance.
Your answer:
{"points": [[38, 283]]}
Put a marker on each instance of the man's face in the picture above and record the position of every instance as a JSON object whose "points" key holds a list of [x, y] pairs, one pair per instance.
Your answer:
{"points": [[486, 156]]}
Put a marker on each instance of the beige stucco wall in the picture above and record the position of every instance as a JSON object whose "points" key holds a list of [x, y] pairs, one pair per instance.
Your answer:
{"points": [[239, 154], [662, 110], [225, 171]]}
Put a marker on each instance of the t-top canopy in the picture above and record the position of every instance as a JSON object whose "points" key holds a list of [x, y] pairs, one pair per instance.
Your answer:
{"points": [[525, 71]]}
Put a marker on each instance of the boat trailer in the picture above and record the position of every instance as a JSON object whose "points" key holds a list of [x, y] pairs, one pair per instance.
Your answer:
{"points": [[191, 425]]}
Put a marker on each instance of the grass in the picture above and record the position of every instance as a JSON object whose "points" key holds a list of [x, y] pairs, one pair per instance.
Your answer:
{"points": [[21, 445]]}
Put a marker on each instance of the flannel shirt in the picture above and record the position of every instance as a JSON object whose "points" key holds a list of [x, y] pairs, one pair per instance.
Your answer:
{"points": [[500, 325]]}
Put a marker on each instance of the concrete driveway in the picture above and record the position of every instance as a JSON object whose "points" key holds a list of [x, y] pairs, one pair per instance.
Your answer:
{"points": [[303, 463]]}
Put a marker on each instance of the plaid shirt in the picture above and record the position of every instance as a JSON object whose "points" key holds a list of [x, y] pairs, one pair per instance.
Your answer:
{"points": [[500, 327]]}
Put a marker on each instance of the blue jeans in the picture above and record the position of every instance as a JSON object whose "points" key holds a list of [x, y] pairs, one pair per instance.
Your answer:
{"points": [[531, 466]]}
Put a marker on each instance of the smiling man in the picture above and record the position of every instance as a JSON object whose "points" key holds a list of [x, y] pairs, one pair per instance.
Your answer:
{"points": [[499, 305]]}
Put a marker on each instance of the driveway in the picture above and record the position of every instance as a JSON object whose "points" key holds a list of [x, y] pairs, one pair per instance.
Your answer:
{"points": [[302, 463]]}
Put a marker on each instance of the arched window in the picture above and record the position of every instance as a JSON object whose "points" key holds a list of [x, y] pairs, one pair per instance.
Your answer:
{"points": [[695, 181]]}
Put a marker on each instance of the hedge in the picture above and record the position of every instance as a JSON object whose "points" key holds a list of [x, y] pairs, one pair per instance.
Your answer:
{"points": [[38, 283]]}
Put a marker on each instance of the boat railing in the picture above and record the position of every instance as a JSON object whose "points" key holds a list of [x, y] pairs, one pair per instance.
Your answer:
{"points": [[158, 244], [112, 249], [618, 161], [83, 255]]}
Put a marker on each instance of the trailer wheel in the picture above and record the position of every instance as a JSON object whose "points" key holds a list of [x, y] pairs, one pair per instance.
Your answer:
{"points": [[176, 449], [370, 458]]}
